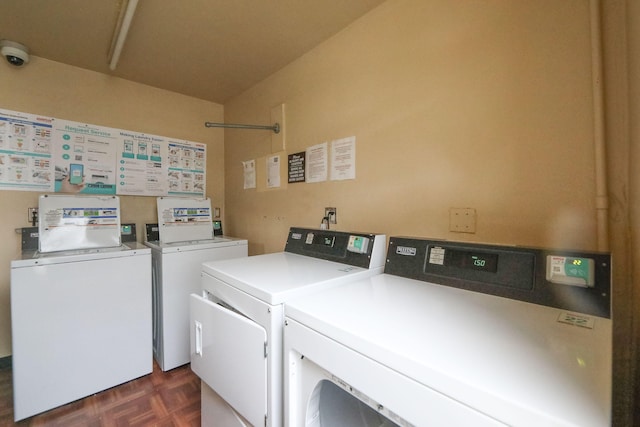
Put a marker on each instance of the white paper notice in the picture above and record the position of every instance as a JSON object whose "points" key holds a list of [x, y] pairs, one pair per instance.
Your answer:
{"points": [[273, 171], [343, 159], [26, 161], [249, 174], [317, 163]]}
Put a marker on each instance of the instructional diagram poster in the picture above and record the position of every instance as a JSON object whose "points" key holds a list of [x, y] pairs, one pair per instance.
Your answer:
{"points": [[84, 158], [142, 165], [26, 162], [187, 166], [54, 155]]}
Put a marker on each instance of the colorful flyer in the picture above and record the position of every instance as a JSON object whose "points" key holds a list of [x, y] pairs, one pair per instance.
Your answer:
{"points": [[84, 158], [142, 164], [26, 162], [187, 166]]}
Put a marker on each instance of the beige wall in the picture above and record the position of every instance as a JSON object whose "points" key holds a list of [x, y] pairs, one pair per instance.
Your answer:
{"points": [[482, 105], [487, 105], [57, 90]]}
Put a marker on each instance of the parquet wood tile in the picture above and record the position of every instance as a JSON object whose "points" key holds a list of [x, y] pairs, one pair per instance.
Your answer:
{"points": [[163, 399]]}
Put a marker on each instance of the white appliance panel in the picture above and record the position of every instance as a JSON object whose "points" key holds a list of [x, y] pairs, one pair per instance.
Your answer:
{"points": [[397, 397], [176, 269], [515, 360], [275, 278], [79, 327], [216, 412], [235, 368]]}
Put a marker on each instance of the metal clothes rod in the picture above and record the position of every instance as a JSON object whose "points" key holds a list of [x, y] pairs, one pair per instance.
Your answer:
{"points": [[275, 128]]}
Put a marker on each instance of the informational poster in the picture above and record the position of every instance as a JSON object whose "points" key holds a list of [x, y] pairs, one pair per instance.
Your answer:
{"points": [[296, 167], [84, 157], [187, 168], [142, 164], [343, 159], [26, 152], [273, 171], [249, 169], [317, 163], [47, 154]]}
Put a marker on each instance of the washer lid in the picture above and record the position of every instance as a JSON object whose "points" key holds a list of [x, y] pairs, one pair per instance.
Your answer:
{"points": [[275, 278], [515, 361]]}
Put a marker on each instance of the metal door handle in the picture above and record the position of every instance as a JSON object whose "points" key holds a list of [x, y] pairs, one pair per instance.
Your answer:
{"points": [[198, 331]]}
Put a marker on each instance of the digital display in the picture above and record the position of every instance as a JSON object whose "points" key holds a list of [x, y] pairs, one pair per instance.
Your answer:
{"points": [[327, 240], [320, 239], [472, 260]]}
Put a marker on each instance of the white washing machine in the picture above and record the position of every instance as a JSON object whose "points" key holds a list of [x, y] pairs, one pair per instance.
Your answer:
{"points": [[176, 269], [237, 319], [80, 323], [455, 334]]}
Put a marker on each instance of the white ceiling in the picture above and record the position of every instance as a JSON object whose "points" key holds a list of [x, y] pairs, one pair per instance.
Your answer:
{"points": [[209, 49]]}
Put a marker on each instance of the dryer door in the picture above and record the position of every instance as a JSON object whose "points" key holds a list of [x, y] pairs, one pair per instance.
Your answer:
{"points": [[228, 353]]}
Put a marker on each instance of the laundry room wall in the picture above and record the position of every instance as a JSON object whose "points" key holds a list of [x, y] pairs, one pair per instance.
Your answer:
{"points": [[57, 90], [483, 105]]}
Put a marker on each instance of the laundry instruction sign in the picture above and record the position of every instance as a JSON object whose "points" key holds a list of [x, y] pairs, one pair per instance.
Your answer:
{"points": [[26, 152], [47, 154]]}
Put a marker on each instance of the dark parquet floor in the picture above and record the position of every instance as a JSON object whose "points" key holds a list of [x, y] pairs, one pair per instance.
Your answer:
{"points": [[164, 399]]}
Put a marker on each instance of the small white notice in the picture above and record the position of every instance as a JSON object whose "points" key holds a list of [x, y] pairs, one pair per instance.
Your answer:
{"points": [[317, 163], [273, 171], [249, 174], [343, 159]]}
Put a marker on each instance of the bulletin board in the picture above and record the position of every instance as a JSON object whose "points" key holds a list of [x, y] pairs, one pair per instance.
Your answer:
{"points": [[183, 219], [48, 154], [78, 222]]}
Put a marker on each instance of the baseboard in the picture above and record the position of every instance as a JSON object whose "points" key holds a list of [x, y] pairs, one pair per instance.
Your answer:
{"points": [[5, 362]]}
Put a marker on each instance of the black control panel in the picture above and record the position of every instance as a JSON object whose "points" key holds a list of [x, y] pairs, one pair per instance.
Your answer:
{"points": [[569, 280], [354, 249], [128, 233], [152, 232]]}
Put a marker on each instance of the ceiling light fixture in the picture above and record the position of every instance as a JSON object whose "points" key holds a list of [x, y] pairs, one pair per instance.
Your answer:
{"points": [[120, 34]]}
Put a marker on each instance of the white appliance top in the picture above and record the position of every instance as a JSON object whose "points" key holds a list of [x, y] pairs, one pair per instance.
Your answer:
{"points": [[514, 359], [274, 278], [216, 242], [34, 258], [521, 363]]}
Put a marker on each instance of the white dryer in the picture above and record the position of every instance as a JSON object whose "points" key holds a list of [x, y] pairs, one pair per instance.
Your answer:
{"points": [[455, 334], [237, 320]]}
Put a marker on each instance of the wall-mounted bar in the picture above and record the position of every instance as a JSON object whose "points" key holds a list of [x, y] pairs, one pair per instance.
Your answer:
{"points": [[275, 128]]}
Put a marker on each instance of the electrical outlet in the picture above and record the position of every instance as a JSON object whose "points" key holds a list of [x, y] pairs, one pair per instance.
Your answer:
{"points": [[332, 214]]}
